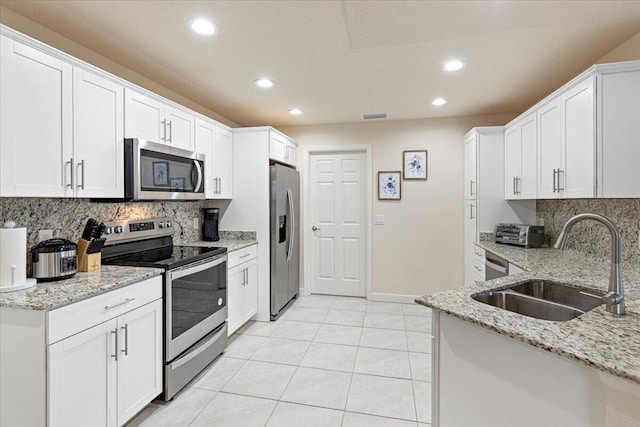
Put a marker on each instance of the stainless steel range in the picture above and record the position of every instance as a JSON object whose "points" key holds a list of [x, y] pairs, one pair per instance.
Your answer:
{"points": [[195, 293]]}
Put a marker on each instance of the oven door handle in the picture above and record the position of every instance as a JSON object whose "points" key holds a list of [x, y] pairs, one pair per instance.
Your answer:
{"points": [[195, 352], [196, 267]]}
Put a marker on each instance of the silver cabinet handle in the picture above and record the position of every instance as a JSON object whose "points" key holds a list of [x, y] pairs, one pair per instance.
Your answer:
{"points": [[70, 163], [554, 181], [115, 354], [170, 124], [219, 185], [111, 307], [81, 165], [164, 130], [244, 256], [477, 268], [314, 228], [471, 206], [517, 185], [125, 350], [514, 185], [560, 188], [246, 276], [471, 187]]}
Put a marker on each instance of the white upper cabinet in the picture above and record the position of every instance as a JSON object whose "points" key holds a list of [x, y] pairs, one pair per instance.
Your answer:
{"points": [[151, 119], [577, 178], [587, 134], [470, 168], [216, 144], [36, 140], [98, 129], [550, 152], [520, 156], [618, 124], [282, 149]]}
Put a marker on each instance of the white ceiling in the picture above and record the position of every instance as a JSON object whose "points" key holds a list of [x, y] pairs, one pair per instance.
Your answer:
{"points": [[337, 60]]}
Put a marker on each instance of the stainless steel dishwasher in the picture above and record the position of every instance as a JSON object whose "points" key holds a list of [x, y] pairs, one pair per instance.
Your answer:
{"points": [[495, 266]]}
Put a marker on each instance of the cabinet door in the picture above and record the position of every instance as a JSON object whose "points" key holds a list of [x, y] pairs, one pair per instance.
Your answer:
{"points": [[527, 184], [549, 150], [143, 117], [82, 378], [180, 127], [513, 161], [470, 237], [36, 116], [205, 144], [250, 290], [470, 168], [290, 154], [224, 163], [235, 283], [98, 129], [277, 147], [140, 359], [578, 120]]}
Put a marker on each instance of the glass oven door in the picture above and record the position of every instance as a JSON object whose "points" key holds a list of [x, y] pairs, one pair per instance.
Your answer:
{"points": [[196, 303]]}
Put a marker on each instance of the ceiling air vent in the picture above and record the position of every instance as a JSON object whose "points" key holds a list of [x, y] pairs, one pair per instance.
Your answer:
{"points": [[374, 116]]}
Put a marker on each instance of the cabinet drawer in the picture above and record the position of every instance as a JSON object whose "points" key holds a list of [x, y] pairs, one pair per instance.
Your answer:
{"points": [[73, 318], [241, 255]]}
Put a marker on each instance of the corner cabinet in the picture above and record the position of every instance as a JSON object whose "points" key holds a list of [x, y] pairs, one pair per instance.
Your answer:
{"points": [[282, 149], [586, 136], [242, 287], [484, 203], [215, 143], [152, 119], [103, 359]]}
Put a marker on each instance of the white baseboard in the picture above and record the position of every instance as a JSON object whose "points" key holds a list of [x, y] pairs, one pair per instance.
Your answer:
{"points": [[405, 299]]}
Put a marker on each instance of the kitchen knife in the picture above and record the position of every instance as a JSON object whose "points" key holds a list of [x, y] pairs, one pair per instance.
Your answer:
{"points": [[95, 246], [98, 231], [88, 229]]}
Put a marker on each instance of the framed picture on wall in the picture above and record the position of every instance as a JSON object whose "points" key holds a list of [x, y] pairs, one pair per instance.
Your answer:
{"points": [[389, 185], [415, 164]]}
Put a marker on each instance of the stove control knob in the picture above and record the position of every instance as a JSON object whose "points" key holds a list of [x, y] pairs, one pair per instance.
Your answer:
{"points": [[169, 224], [118, 229], [161, 224], [108, 230]]}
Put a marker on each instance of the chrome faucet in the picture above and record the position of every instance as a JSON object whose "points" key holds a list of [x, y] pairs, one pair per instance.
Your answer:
{"points": [[614, 298]]}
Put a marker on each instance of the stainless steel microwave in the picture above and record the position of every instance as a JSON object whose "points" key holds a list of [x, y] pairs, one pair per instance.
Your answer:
{"points": [[160, 172]]}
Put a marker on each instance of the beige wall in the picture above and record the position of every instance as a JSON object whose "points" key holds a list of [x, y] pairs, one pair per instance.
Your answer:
{"points": [[40, 33], [419, 249], [627, 51]]}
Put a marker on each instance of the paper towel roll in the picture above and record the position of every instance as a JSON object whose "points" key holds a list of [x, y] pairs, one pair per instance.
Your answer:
{"points": [[13, 252]]}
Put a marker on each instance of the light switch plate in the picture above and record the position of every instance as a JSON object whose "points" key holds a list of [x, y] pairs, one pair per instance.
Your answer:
{"points": [[379, 219], [196, 223]]}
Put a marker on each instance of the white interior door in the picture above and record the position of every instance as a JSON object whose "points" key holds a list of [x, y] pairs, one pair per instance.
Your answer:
{"points": [[337, 195]]}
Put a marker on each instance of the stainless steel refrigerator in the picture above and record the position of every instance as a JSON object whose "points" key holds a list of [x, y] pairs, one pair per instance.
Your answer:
{"points": [[285, 237]]}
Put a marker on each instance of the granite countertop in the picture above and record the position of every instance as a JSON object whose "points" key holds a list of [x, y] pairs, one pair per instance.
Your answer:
{"points": [[597, 338], [52, 295], [232, 240]]}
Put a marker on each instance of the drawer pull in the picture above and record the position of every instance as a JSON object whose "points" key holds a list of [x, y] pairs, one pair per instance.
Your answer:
{"points": [[110, 307], [244, 256]]}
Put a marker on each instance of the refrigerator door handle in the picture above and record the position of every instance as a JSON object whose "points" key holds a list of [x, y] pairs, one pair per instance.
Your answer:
{"points": [[292, 223]]}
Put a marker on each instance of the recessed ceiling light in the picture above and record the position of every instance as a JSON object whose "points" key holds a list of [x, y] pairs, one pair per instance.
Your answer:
{"points": [[439, 101], [265, 83], [202, 26], [453, 65], [295, 111]]}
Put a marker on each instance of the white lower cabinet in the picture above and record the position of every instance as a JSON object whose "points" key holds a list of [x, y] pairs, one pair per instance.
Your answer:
{"points": [[242, 287], [95, 362]]}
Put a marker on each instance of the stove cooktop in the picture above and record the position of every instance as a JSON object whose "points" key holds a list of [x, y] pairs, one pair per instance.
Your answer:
{"points": [[167, 257]]}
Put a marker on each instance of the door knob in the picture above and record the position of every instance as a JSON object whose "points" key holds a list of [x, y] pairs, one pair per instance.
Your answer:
{"points": [[314, 228]]}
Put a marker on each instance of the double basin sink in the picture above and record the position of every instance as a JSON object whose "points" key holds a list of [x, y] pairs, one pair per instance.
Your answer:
{"points": [[542, 299]]}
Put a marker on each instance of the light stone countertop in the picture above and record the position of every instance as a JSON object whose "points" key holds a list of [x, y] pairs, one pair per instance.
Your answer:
{"points": [[597, 338], [52, 295], [232, 240]]}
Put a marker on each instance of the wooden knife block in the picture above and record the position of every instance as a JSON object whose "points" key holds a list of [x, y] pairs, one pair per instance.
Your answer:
{"points": [[88, 263]]}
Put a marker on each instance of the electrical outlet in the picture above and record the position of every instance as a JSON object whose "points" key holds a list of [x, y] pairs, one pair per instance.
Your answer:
{"points": [[196, 223], [45, 235], [379, 219], [541, 221]]}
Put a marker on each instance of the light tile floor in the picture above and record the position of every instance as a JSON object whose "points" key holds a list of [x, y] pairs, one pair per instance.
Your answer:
{"points": [[329, 361]]}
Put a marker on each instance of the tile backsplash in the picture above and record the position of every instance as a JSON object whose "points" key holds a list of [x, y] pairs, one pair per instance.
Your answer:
{"points": [[67, 217], [589, 236]]}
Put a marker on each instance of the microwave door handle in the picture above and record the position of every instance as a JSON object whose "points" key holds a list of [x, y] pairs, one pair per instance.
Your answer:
{"points": [[199, 182]]}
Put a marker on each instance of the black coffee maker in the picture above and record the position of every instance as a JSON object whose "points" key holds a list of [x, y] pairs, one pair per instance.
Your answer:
{"points": [[210, 225]]}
